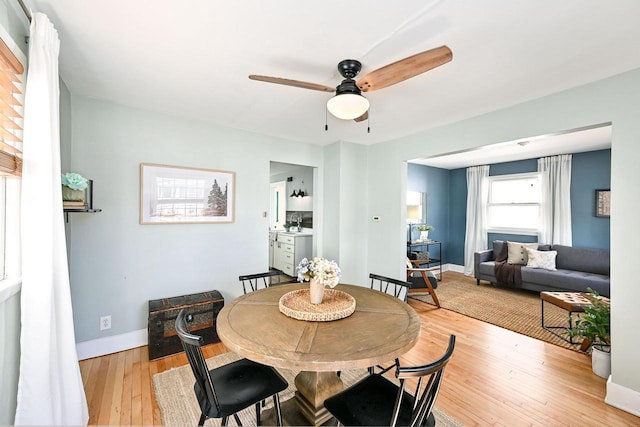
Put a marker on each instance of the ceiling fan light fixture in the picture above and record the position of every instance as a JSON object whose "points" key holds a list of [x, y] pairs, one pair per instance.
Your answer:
{"points": [[348, 106]]}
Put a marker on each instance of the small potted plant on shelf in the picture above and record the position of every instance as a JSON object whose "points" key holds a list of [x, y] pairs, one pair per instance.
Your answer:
{"points": [[595, 326], [74, 186], [424, 231]]}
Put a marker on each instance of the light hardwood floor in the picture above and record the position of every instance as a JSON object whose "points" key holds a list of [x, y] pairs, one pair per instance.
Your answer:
{"points": [[496, 378]]}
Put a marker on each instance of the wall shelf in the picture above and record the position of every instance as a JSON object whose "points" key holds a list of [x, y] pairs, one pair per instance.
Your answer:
{"points": [[88, 206]]}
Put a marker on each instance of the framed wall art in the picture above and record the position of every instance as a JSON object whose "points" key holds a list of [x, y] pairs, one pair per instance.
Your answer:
{"points": [[174, 194], [603, 203]]}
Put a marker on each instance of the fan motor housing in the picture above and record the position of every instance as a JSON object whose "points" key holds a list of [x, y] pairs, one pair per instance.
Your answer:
{"points": [[349, 68], [348, 86]]}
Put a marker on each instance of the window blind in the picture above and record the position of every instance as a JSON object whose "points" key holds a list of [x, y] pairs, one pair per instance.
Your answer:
{"points": [[11, 108]]}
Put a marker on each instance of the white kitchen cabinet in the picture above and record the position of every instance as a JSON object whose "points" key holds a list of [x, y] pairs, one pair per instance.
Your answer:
{"points": [[289, 250]]}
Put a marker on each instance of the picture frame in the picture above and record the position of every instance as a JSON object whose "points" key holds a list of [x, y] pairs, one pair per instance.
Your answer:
{"points": [[603, 203], [186, 195]]}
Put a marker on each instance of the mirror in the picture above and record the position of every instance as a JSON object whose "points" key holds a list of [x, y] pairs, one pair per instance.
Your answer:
{"points": [[416, 211]]}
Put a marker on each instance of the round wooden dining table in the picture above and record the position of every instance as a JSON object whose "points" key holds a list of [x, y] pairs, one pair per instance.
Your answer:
{"points": [[381, 328]]}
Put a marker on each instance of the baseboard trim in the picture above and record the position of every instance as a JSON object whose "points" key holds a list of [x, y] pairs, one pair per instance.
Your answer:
{"points": [[112, 344], [622, 398], [453, 267]]}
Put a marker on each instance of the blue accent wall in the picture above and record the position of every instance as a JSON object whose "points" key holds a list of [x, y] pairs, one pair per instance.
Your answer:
{"points": [[447, 201], [590, 171], [434, 182], [508, 168], [457, 216]]}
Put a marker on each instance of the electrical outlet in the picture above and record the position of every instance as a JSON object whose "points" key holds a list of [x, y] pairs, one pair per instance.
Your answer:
{"points": [[105, 323]]}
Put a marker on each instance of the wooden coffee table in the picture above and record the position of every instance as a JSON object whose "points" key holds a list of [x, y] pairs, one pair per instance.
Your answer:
{"points": [[572, 302]]}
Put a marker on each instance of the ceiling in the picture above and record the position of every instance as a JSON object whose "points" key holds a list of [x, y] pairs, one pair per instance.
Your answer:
{"points": [[192, 58]]}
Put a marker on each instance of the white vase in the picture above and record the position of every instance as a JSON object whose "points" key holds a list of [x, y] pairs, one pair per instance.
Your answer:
{"points": [[601, 362], [424, 235], [316, 291]]}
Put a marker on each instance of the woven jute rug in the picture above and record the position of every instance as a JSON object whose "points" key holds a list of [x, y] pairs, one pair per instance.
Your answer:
{"points": [[515, 309], [178, 405]]}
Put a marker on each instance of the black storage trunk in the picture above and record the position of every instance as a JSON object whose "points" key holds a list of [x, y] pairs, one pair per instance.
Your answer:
{"points": [[201, 308]]}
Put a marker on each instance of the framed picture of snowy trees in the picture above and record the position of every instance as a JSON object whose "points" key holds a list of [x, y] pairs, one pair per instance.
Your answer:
{"points": [[182, 195]]}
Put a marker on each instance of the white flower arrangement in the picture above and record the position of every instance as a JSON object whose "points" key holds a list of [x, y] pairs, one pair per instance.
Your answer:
{"points": [[324, 271]]}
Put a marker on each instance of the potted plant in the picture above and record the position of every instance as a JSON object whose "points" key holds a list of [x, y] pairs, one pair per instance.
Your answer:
{"points": [[74, 186], [287, 226], [424, 230], [595, 326]]}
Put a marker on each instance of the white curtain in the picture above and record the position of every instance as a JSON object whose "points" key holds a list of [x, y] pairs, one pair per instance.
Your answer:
{"points": [[477, 198], [50, 390], [555, 215]]}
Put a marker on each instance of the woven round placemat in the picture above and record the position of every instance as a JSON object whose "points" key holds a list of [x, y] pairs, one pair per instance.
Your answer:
{"points": [[335, 305]]}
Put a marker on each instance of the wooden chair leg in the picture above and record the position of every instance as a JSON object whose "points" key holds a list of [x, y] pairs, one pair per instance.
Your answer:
{"points": [[430, 289]]}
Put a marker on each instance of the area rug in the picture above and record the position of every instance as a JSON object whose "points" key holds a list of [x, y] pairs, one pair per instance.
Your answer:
{"points": [[514, 309], [178, 405]]}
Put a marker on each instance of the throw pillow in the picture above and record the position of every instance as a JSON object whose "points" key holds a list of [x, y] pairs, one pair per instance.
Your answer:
{"points": [[517, 252], [542, 259]]}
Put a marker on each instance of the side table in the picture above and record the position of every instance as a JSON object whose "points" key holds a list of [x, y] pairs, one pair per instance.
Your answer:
{"points": [[430, 261]]}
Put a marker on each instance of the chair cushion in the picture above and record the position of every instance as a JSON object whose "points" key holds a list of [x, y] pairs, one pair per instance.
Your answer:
{"points": [[370, 402], [239, 385]]}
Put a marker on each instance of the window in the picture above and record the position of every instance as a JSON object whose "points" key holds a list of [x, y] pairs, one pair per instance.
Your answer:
{"points": [[11, 99], [514, 203]]}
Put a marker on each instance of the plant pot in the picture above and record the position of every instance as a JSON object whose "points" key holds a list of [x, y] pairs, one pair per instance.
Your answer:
{"points": [[316, 291], [601, 362], [424, 235], [72, 195]]}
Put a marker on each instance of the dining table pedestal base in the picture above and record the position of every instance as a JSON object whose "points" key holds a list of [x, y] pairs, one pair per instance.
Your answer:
{"points": [[312, 390]]}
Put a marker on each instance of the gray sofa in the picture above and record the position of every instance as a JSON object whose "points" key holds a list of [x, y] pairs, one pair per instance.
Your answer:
{"points": [[577, 270]]}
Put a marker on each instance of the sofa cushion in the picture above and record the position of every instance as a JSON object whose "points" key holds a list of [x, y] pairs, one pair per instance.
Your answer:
{"points": [[582, 259], [517, 252], [567, 280], [541, 259]]}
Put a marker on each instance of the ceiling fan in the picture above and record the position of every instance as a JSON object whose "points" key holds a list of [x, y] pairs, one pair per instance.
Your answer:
{"points": [[348, 102]]}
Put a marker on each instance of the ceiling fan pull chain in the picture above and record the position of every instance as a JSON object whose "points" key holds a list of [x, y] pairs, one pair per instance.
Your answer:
{"points": [[369, 121], [326, 120]]}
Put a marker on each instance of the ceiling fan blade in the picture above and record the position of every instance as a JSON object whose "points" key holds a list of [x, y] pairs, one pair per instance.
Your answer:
{"points": [[295, 83], [363, 117], [405, 69]]}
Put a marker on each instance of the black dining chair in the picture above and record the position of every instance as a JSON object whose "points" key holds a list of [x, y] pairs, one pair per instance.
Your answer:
{"points": [[228, 389], [254, 281], [376, 401], [395, 287], [388, 285]]}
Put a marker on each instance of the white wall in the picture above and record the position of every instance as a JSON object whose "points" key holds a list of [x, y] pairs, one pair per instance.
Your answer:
{"points": [[116, 264], [615, 100], [9, 355]]}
